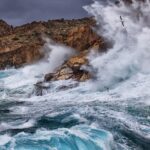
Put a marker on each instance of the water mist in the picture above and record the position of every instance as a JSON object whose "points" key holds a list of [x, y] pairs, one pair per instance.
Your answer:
{"points": [[127, 27]]}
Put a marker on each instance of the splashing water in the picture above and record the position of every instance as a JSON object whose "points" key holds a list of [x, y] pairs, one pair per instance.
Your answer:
{"points": [[87, 117], [130, 53]]}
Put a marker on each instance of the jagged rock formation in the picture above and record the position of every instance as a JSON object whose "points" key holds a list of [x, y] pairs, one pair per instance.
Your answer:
{"points": [[71, 69], [5, 28]]}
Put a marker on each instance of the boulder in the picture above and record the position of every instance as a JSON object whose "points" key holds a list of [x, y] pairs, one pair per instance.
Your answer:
{"points": [[71, 69]]}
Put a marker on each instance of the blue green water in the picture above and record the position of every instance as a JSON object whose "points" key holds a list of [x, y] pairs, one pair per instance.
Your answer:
{"points": [[73, 119]]}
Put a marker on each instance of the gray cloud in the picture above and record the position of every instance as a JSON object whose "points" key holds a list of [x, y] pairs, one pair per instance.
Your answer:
{"points": [[18, 12]]}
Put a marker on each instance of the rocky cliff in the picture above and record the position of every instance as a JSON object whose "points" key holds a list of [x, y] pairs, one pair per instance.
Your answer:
{"points": [[23, 45]]}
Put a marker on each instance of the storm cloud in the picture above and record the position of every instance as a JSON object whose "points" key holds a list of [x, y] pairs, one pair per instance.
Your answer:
{"points": [[17, 12]]}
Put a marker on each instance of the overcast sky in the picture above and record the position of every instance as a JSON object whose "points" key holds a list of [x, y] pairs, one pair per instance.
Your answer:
{"points": [[18, 12]]}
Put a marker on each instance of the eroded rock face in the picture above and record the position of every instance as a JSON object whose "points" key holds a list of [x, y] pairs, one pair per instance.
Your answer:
{"points": [[20, 56], [5, 28], [22, 45], [82, 38]]}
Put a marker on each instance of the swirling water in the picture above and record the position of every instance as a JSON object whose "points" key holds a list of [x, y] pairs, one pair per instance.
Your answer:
{"points": [[111, 113], [73, 119]]}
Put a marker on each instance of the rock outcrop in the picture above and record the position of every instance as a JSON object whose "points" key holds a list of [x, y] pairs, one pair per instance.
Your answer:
{"points": [[23, 44], [71, 69], [5, 29]]}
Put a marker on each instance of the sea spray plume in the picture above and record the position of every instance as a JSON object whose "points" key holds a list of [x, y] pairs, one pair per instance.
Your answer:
{"points": [[130, 53], [55, 55]]}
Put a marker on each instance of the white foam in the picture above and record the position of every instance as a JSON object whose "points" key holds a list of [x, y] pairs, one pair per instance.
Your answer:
{"points": [[4, 139], [5, 126], [55, 55], [130, 53]]}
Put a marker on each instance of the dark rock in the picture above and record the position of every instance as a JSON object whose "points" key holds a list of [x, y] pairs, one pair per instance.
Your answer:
{"points": [[48, 76], [40, 87], [66, 87]]}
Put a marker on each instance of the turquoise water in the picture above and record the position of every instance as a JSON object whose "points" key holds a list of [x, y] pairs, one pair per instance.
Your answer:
{"points": [[73, 119], [62, 139], [25, 125]]}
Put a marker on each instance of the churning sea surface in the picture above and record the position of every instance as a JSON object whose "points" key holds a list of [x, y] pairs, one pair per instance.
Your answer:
{"points": [[111, 112]]}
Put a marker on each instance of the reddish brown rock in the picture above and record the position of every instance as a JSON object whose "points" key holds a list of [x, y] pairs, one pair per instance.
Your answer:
{"points": [[82, 38], [19, 56], [5, 29]]}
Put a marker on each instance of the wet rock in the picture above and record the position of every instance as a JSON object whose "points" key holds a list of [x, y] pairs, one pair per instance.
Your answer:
{"points": [[66, 87], [71, 69], [40, 87], [49, 76], [65, 71], [77, 61]]}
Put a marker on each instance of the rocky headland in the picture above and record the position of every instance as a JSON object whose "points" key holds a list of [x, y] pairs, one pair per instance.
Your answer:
{"points": [[24, 45]]}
